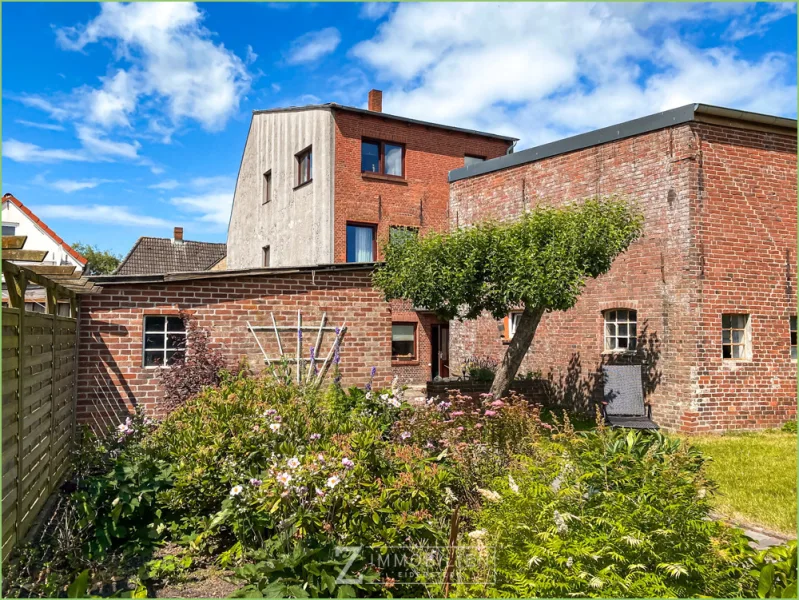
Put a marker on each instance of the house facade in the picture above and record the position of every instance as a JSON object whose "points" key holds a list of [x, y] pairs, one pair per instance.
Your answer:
{"points": [[705, 301], [328, 184]]}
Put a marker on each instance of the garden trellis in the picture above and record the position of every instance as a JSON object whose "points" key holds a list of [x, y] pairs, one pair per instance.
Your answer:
{"points": [[313, 376]]}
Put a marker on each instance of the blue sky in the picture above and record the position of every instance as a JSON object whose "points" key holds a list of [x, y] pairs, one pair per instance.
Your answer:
{"points": [[126, 120]]}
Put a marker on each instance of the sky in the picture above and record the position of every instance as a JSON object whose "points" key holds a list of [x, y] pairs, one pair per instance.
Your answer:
{"points": [[124, 120]]}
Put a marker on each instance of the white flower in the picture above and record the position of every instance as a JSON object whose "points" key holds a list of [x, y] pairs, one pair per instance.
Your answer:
{"points": [[449, 497], [702, 493], [489, 495], [236, 490], [275, 427], [122, 427], [333, 481], [115, 502], [555, 485], [395, 403], [405, 435], [560, 523], [284, 478], [293, 463], [570, 562], [513, 485], [477, 534], [384, 397]]}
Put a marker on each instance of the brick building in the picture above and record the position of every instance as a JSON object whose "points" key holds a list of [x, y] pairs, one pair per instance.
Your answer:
{"points": [[327, 183], [706, 301], [132, 326]]}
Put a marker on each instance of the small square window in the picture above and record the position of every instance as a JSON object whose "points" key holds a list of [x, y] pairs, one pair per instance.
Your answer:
{"points": [[621, 330], [793, 337], [361, 243], [267, 186], [164, 340], [403, 341], [304, 166], [383, 158], [735, 337], [266, 257]]}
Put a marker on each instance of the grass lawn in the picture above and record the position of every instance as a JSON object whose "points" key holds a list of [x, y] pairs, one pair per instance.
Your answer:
{"points": [[756, 475]]}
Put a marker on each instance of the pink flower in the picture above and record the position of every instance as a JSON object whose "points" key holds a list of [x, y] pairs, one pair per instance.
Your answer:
{"points": [[255, 482], [347, 463], [405, 435], [546, 426], [478, 425], [458, 413], [490, 413], [256, 428], [460, 428], [497, 403]]}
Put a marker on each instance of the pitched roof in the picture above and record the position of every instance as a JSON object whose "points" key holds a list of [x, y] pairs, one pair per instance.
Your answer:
{"points": [[153, 256], [363, 111], [56, 238]]}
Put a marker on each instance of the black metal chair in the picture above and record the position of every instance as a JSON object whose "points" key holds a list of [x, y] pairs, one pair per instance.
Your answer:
{"points": [[624, 398]]}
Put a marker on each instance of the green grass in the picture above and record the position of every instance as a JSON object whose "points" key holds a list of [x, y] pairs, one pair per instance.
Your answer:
{"points": [[756, 475]]}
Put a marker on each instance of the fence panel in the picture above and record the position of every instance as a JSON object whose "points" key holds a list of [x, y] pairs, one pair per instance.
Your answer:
{"points": [[38, 414]]}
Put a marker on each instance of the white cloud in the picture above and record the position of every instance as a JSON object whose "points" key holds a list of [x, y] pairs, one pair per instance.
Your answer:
{"points": [[542, 71], [757, 24], [251, 55], [212, 208], [100, 214], [25, 152], [169, 184], [59, 113], [35, 125], [176, 69], [375, 10], [94, 141], [69, 186], [313, 45]]}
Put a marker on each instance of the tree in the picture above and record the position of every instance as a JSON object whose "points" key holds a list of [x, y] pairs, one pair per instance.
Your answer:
{"points": [[537, 263], [100, 262]]}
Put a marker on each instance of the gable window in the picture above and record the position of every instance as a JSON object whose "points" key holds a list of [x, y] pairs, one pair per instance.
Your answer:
{"points": [[361, 245], [403, 341], [304, 166], [266, 258], [382, 158], [735, 337], [399, 235], [621, 333], [793, 337], [471, 159], [164, 340], [9, 230], [267, 186]]}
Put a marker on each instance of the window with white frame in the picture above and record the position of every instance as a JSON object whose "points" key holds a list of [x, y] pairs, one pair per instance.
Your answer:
{"points": [[9, 229], [403, 341], [621, 330], [793, 337], [164, 340], [736, 343], [513, 322]]}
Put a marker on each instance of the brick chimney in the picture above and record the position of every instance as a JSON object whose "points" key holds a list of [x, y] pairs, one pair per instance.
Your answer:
{"points": [[178, 235], [376, 100]]}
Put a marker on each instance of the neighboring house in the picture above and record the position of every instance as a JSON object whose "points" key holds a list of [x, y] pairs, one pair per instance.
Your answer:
{"points": [[705, 301], [328, 184], [18, 219], [152, 256]]}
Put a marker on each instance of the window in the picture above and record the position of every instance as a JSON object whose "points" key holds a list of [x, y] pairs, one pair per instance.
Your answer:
{"points": [[513, 323], [383, 158], [164, 340], [267, 186], [9, 230], [793, 338], [403, 341], [735, 343], [621, 330], [472, 160], [266, 256], [304, 166], [361, 243], [399, 235]]}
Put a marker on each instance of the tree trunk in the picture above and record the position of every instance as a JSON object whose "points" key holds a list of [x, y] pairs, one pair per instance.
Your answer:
{"points": [[522, 338]]}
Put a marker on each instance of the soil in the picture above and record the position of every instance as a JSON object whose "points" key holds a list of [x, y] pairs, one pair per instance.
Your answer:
{"points": [[209, 582]]}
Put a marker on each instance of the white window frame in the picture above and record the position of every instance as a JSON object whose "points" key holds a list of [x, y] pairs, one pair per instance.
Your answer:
{"points": [[513, 323], [746, 337], [166, 333], [611, 334]]}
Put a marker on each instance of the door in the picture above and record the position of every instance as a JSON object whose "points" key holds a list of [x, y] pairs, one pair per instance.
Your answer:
{"points": [[439, 351]]}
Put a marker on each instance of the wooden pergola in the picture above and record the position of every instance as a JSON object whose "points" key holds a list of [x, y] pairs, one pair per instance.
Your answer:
{"points": [[60, 282]]}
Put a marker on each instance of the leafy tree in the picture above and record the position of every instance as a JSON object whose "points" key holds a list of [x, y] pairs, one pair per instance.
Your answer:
{"points": [[537, 263], [100, 262]]}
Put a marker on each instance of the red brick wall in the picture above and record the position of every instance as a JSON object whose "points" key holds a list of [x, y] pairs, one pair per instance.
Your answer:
{"points": [[746, 229], [111, 377], [420, 200], [667, 173]]}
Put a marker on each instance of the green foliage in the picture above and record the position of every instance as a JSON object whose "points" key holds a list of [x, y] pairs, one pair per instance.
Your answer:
{"points": [[789, 427], [168, 568], [100, 262], [775, 571], [480, 368], [610, 513], [540, 260]]}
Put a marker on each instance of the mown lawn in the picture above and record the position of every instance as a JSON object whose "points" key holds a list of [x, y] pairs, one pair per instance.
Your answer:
{"points": [[756, 474]]}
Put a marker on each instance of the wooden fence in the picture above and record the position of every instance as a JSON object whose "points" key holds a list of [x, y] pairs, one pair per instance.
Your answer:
{"points": [[39, 364]]}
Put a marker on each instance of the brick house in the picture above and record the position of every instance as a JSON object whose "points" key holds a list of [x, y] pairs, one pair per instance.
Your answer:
{"points": [[706, 301], [326, 184]]}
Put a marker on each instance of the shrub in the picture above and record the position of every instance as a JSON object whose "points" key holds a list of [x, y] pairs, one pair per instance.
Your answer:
{"points": [[789, 427], [775, 571], [480, 368], [610, 513]]}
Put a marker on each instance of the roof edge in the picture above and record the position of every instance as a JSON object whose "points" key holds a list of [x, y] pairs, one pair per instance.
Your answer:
{"points": [[612, 133]]}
